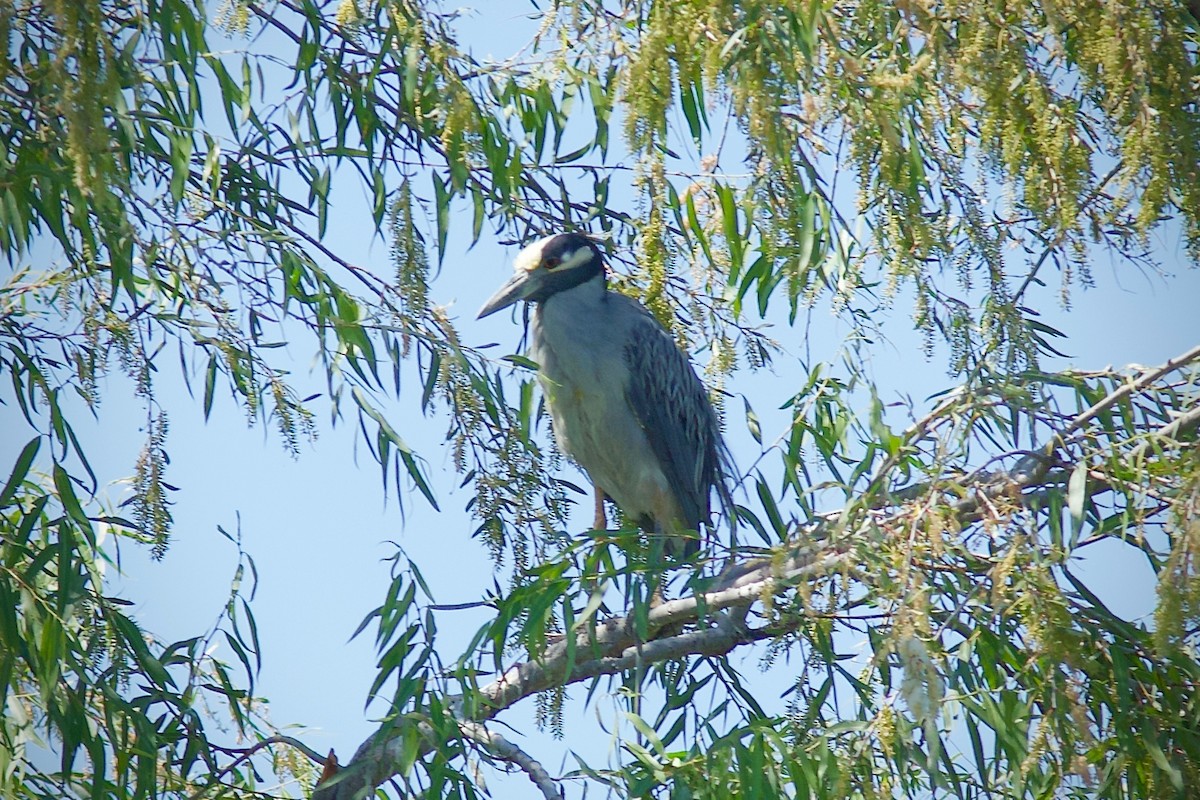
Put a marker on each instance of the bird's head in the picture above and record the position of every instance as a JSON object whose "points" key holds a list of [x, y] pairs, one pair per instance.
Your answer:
{"points": [[547, 267]]}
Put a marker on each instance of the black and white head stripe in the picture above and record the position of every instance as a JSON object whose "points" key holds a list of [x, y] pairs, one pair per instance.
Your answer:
{"points": [[567, 259], [560, 251], [549, 266]]}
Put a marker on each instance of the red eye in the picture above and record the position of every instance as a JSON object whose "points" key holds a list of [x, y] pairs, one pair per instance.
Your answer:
{"points": [[551, 262]]}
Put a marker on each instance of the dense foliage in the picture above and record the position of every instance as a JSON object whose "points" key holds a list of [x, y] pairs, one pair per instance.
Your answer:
{"points": [[169, 175]]}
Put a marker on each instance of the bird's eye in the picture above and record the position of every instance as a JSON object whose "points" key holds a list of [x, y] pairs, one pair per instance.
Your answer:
{"points": [[551, 262]]}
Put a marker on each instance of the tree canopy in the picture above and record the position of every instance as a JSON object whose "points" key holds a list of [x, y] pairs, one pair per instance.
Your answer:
{"points": [[169, 204]]}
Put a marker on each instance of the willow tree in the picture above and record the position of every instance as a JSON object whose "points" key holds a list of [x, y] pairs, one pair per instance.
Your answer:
{"points": [[168, 177]]}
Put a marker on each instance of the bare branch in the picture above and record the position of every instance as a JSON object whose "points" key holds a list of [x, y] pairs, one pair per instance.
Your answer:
{"points": [[1136, 385], [1034, 466], [503, 749]]}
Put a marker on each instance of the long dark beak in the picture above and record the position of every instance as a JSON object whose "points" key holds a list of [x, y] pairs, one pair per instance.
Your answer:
{"points": [[518, 287]]}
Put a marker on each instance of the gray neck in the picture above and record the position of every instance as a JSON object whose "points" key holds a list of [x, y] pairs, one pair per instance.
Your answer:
{"points": [[590, 291]]}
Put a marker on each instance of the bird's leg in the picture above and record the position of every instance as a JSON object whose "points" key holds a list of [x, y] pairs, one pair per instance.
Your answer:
{"points": [[600, 522]]}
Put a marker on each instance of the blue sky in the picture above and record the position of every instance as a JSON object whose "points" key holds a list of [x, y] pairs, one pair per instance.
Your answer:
{"points": [[319, 527]]}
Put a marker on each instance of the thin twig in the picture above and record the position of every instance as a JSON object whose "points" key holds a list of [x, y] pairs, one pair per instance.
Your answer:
{"points": [[1184, 423], [246, 753]]}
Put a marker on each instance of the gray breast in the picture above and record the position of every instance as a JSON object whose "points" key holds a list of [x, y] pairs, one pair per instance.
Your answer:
{"points": [[581, 341]]}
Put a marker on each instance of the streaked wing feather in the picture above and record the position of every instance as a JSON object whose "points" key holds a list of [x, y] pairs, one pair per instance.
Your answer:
{"points": [[672, 407]]}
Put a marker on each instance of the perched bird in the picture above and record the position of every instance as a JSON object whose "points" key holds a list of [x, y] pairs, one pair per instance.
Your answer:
{"points": [[625, 401]]}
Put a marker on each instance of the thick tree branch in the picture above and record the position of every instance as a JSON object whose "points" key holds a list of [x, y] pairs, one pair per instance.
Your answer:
{"points": [[611, 647], [617, 638]]}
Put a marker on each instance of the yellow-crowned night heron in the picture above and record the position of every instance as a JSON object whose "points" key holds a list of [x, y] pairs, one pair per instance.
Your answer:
{"points": [[625, 401]]}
